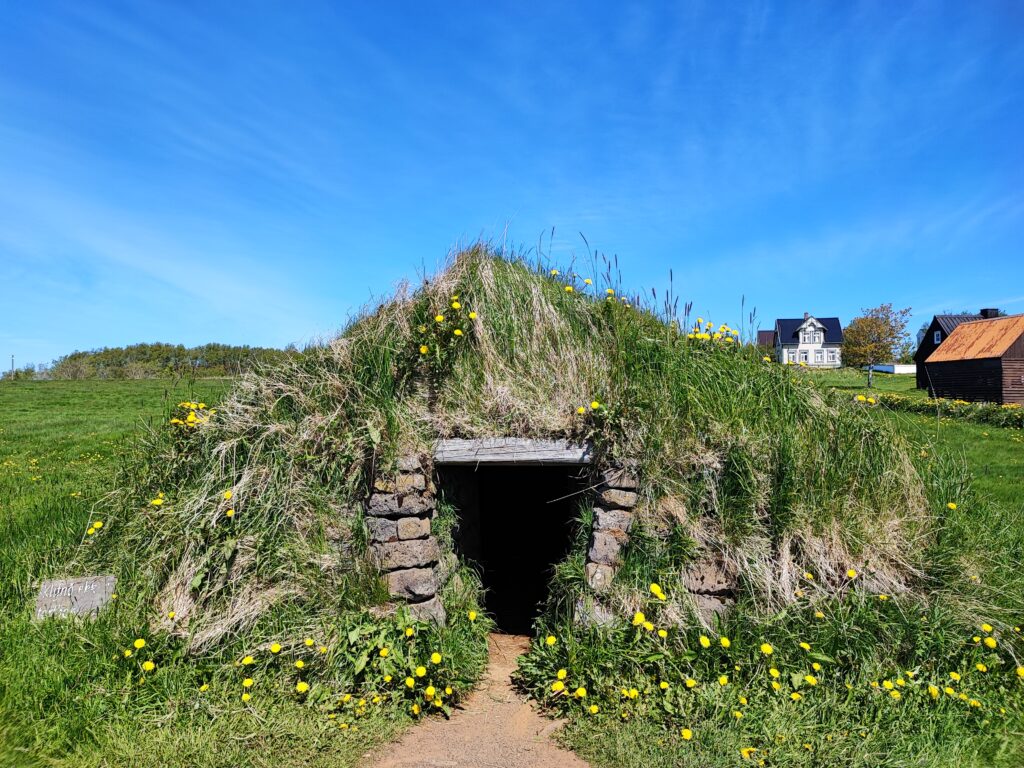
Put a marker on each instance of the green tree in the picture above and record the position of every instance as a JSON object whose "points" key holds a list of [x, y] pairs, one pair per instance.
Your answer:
{"points": [[879, 335]]}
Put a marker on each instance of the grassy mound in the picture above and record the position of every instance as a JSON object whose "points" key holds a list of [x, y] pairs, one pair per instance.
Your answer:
{"points": [[737, 456], [239, 528]]}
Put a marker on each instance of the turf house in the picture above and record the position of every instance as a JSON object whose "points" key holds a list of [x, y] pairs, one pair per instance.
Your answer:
{"points": [[682, 524]]}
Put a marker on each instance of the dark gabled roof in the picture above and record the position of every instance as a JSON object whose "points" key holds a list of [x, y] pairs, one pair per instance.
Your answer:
{"points": [[948, 322], [787, 329]]}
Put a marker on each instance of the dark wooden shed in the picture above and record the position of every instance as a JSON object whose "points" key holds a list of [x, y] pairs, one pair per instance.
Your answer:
{"points": [[981, 361], [938, 331]]}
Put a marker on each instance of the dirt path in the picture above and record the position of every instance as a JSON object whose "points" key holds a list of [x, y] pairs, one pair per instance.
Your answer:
{"points": [[495, 728]]}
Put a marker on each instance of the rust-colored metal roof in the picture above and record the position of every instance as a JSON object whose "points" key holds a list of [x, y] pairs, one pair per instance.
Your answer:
{"points": [[979, 339]]}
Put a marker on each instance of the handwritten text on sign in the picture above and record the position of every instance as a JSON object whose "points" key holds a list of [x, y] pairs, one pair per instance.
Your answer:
{"points": [[74, 597]]}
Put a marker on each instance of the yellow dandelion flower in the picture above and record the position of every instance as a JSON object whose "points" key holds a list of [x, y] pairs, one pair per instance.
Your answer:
{"points": [[457, 332], [301, 687], [299, 664], [424, 349], [472, 315], [410, 683], [990, 642], [560, 674], [568, 289], [246, 696], [383, 653], [805, 646], [409, 631], [895, 694], [954, 676], [648, 626], [705, 642], [558, 686], [774, 672], [747, 752], [691, 683], [723, 680], [139, 644], [550, 640], [580, 693], [594, 709], [951, 505], [248, 682], [662, 633], [554, 272], [686, 733], [725, 641], [456, 305], [435, 658], [795, 696], [851, 573], [421, 671], [471, 615], [230, 513], [275, 648], [981, 667], [308, 642], [984, 627], [439, 318], [766, 649], [810, 680]]}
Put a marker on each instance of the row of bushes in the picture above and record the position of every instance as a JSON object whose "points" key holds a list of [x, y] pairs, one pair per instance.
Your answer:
{"points": [[1005, 415], [150, 361]]}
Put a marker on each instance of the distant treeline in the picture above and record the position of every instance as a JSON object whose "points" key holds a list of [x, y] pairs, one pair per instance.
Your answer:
{"points": [[150, 361]]}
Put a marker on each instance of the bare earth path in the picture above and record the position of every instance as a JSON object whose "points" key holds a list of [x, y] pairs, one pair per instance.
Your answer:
{"points": [[496, 727]]}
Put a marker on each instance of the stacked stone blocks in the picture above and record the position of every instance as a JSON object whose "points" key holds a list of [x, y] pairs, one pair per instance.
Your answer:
{"points": [[613, 516], [398, 517]]}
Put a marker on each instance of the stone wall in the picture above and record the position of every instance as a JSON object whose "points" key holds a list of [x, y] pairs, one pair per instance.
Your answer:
{"points": [[398, 517], [613, 516]]}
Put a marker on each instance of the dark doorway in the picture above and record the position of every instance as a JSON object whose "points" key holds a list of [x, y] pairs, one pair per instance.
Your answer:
{"points": [[514, 524]]}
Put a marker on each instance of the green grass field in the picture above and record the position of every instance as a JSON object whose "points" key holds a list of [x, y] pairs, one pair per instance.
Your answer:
{"points": [[59, 446]]}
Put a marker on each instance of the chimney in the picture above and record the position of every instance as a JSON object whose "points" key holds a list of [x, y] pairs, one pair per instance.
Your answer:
{"points": [[807, 314], [989, 312]]}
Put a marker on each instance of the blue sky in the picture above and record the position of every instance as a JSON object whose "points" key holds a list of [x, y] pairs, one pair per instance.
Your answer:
{"points": [[254, 172]]}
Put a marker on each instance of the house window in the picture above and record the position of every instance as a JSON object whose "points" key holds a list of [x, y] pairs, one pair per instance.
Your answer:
{"points": [[803, 355], [792, 355], [938, 337], [831, 355], [819, 357], [817, 337]]}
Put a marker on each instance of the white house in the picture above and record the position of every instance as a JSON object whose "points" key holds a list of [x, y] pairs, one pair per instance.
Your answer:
{"points": [[814, 341]]}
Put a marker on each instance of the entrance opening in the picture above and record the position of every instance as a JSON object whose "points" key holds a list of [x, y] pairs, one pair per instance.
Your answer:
{"points": [[514, 524]]}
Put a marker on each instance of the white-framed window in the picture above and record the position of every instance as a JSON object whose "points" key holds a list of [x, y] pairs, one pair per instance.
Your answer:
{"points": [[938, 337], [792, 355], [831, 355], [819, 356], [817, 337], [803, 355]]}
